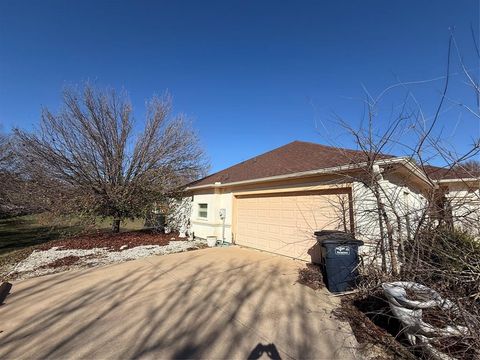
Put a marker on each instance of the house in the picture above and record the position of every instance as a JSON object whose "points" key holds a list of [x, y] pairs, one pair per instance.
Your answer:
{"points": [[276, 201]]}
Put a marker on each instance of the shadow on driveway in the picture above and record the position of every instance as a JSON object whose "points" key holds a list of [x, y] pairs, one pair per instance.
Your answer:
{"points": [[212, 303]]}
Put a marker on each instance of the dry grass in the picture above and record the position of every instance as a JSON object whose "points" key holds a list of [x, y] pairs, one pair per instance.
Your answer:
{"points": [[311, 276]]}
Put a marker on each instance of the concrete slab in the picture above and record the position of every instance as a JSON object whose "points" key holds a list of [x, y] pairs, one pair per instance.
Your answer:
{"points": [[213, 303]]}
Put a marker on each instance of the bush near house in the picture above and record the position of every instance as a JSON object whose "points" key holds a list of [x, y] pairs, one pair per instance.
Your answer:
{"points": [[443, 258], [447, 259]]}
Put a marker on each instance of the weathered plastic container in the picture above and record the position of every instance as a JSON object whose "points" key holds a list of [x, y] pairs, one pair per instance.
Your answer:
{"points": [[340, 259]]}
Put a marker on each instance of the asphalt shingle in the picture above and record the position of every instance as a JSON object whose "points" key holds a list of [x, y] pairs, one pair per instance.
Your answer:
{"points": [[297, 156]]}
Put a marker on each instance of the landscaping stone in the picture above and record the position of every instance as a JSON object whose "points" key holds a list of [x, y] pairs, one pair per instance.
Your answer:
{"points": [[55, 259]]}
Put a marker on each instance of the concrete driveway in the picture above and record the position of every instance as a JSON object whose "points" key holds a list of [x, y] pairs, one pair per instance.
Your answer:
{"points": [[213, 303]]}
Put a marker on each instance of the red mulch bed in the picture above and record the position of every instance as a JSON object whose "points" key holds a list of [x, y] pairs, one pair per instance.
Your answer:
{"points": [[112, 241], [65, 261]]}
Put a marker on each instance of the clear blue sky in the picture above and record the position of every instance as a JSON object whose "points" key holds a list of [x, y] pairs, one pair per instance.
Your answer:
{"points": [[253, 75]]}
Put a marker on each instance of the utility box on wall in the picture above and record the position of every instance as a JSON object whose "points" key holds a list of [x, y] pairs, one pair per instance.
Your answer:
{"points": [[222, 213]]}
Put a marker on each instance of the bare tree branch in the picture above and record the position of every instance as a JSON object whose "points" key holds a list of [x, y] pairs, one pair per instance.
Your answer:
{"points": [[98, 165]]}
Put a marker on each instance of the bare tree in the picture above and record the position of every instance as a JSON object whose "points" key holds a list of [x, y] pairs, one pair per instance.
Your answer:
{"points": [[436, 241], [379, 214], [471, 167], [5, 149], [6, 157], [87, 159]]}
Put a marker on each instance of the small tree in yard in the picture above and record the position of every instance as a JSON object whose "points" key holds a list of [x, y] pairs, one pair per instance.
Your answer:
{"points": [[87, 159]]}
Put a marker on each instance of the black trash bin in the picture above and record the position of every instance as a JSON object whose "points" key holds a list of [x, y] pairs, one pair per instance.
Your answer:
{"points": [[340, 259]]}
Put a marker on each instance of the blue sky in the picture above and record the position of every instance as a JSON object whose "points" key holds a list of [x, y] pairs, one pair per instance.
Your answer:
{"points": [[252, 75]]}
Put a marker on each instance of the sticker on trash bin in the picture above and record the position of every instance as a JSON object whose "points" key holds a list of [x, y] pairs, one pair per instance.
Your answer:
{"points": [[342, 250]]}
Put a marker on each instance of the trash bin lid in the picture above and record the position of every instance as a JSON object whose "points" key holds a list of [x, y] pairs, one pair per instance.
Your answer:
{"points": [[342, 242], [333, 237], [333, 234]]}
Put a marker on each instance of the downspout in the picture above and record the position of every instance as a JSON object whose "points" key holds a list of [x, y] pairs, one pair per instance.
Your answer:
{"points": [[223, 230], [223, 214]]}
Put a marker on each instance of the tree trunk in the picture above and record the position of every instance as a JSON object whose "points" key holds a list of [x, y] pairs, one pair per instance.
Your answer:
{"points": [[391, 242], [382, 236], [382, 213], [401, 252], [116, 225]]}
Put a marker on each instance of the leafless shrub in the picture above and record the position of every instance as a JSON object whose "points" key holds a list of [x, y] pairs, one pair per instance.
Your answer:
{"points": [[5, 155], [432, 239], [10, 179]]}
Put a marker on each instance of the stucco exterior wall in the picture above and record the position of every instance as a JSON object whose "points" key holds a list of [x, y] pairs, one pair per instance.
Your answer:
{"points": [[465, 205], [398, 198], [213, 224]]}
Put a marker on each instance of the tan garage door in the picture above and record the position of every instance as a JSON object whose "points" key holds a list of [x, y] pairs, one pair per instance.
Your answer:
{"points": [[284, 223]]}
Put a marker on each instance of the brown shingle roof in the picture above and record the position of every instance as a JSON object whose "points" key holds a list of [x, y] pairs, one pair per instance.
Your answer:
{"points": [[297, 156], [457, 172]]}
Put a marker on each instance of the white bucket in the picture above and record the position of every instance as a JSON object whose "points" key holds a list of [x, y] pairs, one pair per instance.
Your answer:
{"points": [[211, 241]]}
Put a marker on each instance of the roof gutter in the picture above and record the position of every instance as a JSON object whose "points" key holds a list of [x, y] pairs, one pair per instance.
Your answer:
{"points": [[332, 170], [413, 168], [463, 180]]}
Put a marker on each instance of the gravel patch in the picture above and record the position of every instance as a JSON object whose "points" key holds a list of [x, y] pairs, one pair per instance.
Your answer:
{"points": [[9, 260], [42, 262]]}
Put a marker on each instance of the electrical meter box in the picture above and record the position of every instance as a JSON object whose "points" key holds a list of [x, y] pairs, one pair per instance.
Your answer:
{"points": [[222, 213]]}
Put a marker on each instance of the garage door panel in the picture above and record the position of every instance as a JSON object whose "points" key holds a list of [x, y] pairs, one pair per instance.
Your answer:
{"points": [[285, 224]]}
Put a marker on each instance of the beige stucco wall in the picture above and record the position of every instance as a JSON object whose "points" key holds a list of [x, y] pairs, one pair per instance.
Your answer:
{"points": [[465, 203], [213, 225], [398, 197], [404, 200]]}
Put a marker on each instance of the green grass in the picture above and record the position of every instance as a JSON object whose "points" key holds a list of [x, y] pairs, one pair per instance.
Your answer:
{"points": [[25, 231]]}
